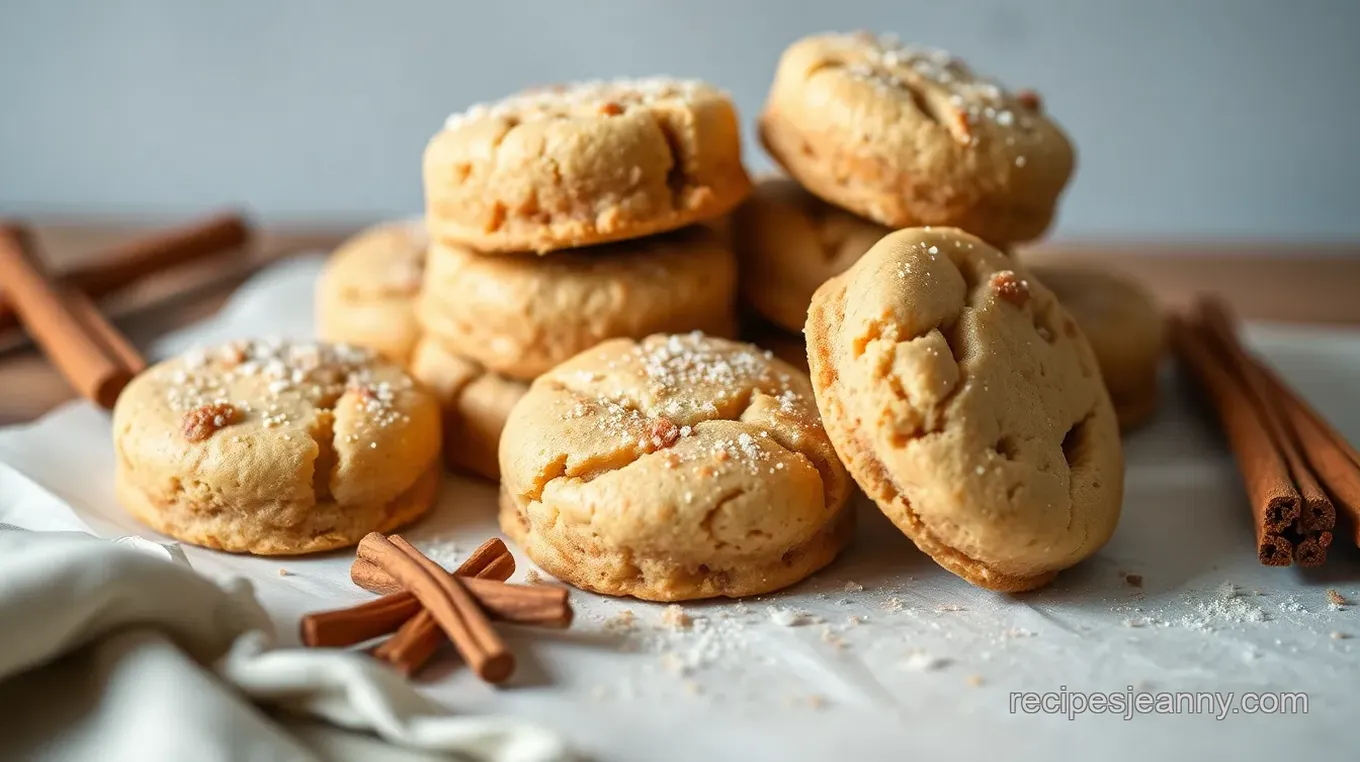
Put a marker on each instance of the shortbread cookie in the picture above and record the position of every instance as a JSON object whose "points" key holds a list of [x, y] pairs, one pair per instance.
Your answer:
{"points": [[584, 163], [475, 402], [674, 468], [910, 136], [276, 448], [789, 242], [366, 295], [967, 403], [519, 315], [1126, 331]]}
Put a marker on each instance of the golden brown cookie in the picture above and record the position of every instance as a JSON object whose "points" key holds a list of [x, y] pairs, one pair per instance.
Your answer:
{"points": [[272, 447], [475, 402], [366, 295], [788, 242], [965, 401], [1126, 330], [911, 136], [519, 315], [585, 163], [674, 468]]}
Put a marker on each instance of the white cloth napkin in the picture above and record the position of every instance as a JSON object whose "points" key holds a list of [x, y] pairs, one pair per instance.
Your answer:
{"points": [[118, 650]]}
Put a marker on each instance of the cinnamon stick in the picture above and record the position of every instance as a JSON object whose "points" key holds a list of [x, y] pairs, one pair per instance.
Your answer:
{"points": [[1333, 459], [345, 627], [87, 350], [126, 264], [1317, 515], [1275, 503], [448, 600]]}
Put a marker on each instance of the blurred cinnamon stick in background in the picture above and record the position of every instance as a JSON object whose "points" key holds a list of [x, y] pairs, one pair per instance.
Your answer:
{"points": [[124, 265]]}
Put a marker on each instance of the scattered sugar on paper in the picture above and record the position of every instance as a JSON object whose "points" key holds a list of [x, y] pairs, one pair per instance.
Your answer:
{"points": [[1227, 607], [892, 604]]}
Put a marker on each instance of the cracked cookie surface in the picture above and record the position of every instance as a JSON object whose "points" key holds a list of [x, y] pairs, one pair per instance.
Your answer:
{"points": [[968, 405], [520, 315], [674, 468], [788, 242], [367, 294], [1126, 329], [911, 136], [584, 163], [273, 447]]}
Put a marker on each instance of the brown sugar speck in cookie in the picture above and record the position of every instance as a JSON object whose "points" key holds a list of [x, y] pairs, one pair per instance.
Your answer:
{"points": [[747, 498], [986, 436], [584, 163], [906, 135], [1007, 285], [302, 470]]}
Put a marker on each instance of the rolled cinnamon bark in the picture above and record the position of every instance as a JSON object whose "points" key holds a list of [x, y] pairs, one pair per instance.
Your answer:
{"points": [[80, 342], [1275, 503]]}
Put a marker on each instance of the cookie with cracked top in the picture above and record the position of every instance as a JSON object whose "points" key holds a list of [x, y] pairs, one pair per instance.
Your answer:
{"points": [[966, 402], [673, 468], [276, 448], [911, 136], [584, 163]]}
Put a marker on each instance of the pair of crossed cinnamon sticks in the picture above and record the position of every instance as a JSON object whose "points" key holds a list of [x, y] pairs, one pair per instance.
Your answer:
{"points": [[1297, 469], [61, 316], [422, 604]]}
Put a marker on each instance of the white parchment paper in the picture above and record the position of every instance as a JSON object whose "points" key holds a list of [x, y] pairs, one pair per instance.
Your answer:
{"points": [[883, 656]]}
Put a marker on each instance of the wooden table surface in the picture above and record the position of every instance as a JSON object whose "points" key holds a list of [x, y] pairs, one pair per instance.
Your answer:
{"points": [[1308, 284]]}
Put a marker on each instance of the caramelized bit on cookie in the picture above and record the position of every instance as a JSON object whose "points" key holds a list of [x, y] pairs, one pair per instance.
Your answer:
{"points": [[233, 354], [664, 432], [610, 108], [1029, 99], [201, 422], [1008, 286]]}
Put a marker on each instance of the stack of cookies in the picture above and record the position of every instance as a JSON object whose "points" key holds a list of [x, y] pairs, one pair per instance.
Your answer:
{"points": [[563, 217], [877, 136]]}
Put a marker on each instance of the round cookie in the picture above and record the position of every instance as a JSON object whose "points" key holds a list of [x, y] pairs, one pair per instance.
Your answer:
{"points": [[674, 468], [584, 163], [475, 402], [967, 404], [366, 295], [519, 315], [272, 447], [1126, 330], [909, 136], [788, 242]]}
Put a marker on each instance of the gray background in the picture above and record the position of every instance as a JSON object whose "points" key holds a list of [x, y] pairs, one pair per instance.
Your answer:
{"points": [[1193, 118]]}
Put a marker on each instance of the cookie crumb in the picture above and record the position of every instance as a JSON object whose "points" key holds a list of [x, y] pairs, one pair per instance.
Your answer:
{"points": [[675, 618], [973, 680], [1336, 635], [853, 587], [786, 617], [1335, 599], [532, 577], [284, 572], [622, 621], [949, 607], [1014, 289], [892, 604], [1133, 580], [815, 702], [610, 108], [855, 621]]}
